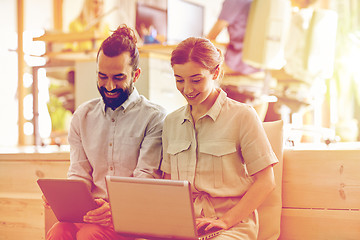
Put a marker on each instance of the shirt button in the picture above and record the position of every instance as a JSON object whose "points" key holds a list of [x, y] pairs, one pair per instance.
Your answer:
{"points": [[110, 144], [113, 120], [111, 168]]}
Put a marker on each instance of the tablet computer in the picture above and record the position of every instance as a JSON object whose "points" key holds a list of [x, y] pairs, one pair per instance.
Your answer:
{"points": [[69, 199]]}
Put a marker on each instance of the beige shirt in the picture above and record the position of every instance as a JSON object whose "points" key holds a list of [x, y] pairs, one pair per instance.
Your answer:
{"points": [[125, 142], [218, 155]]}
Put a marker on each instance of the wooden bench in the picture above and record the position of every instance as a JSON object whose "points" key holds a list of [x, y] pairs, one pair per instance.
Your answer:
{"points": [[320, 193], [21, 207]]}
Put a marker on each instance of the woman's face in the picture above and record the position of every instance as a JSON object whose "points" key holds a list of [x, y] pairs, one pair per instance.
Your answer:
{"points": [[97, 7], [301, 3], [194, 82]]}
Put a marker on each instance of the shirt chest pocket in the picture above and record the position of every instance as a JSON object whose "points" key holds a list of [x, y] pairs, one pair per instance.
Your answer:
{"points": [[179, 159], [126, 152], [213, 156]]}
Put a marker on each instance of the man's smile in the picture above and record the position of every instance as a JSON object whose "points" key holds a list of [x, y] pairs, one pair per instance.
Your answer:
{"points": [[112, 94]]}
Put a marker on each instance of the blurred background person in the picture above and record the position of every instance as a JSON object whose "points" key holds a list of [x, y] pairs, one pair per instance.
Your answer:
{"points": [[61, 103], [89, 19], [233, 17]]}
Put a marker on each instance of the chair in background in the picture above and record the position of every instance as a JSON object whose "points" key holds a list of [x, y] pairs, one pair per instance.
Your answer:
{"points": [[270, 210]]}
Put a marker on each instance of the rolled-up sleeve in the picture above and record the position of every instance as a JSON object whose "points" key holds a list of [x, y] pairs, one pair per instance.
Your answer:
{"points": [[255, 146], [150, 155]]}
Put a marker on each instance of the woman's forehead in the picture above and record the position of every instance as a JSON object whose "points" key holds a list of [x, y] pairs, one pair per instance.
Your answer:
{"points": [[189, 68]]}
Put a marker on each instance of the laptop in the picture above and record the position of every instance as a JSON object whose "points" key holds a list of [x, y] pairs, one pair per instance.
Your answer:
{"points": [[153, 208]]}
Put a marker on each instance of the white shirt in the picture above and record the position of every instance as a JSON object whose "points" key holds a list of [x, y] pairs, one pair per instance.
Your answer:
{"points": [[218, 155], [125, 142]]}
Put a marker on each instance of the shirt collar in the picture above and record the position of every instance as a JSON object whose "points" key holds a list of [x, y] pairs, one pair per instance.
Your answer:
{"points": [[213, 112], [131, 101], [187, 114]]}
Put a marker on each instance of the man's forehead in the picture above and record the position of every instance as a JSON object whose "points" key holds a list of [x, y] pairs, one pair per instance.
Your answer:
{"points": [[125, 55], [122, 60]]}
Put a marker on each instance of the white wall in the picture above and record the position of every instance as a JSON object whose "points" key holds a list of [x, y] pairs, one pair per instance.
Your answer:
{"points": [[212, 11], [8, 69], [126, 13], [34, 22], [71, 9]]}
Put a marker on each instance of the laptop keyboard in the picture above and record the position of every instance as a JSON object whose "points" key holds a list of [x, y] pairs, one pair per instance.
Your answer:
{"points": [[208, 234]]}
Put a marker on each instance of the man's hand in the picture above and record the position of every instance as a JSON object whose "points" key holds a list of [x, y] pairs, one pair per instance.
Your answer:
{"points": [[45, 203], [100, 215]]}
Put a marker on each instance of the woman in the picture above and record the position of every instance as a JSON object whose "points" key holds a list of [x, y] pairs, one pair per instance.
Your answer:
{"points": [[89, 19], [217, 144]]}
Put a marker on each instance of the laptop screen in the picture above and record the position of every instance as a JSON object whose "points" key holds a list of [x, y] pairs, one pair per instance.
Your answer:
{"points": [[151, 207]]}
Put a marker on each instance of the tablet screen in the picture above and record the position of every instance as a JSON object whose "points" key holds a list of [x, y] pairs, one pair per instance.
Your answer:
{"points": [[69, 199]]}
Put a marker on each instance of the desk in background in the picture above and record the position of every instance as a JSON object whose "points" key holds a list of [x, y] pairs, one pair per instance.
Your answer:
{"points": [[64, 59], [84, 65]]}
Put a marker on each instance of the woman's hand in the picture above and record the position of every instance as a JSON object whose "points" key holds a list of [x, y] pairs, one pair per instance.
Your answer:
{"points": [[209, 223], [100, 215]]}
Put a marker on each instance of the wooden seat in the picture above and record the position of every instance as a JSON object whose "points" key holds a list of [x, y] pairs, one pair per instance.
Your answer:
{"points": [[270, 210]]}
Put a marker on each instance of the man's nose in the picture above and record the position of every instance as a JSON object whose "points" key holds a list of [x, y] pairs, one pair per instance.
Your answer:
{"points": [[110, 85]]}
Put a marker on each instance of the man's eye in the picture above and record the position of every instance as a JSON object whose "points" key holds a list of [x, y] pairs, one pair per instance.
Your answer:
{"points": [[196, 80], [119, 78], [103, 77], [179, 80]]}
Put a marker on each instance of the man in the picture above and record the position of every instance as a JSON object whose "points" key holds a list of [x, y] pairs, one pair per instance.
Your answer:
{"points": [[118, 134]]}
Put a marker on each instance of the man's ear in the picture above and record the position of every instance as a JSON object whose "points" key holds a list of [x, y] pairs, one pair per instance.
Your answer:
{"points": [[137, 73]]}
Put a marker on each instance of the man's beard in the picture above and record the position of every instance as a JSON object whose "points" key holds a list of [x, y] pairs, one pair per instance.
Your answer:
{"points": [[114, 103]]}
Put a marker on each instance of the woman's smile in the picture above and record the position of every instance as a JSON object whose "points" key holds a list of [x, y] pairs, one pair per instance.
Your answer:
{"points": [[191, 96]]}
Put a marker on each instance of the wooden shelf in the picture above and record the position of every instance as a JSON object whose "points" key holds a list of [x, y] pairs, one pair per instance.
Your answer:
{"points": [[61, 37]]}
